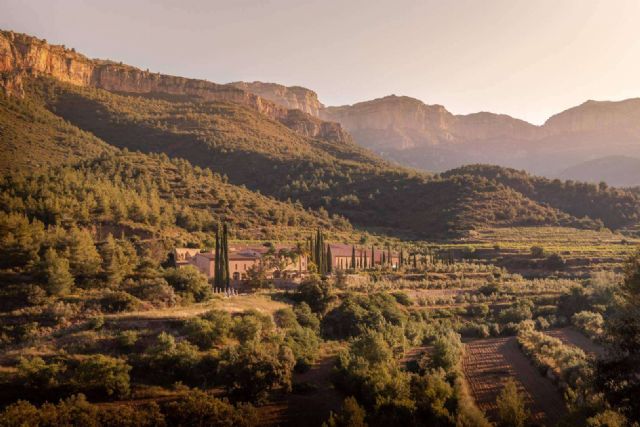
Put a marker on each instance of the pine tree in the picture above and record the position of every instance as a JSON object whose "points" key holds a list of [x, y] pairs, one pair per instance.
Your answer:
{"points": [[111, 261], [84, 259], [56, 272]]}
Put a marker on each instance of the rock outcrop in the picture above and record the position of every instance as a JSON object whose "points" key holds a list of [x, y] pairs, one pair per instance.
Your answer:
{"points": [[291, 97], [429, 137], [22, 55]]}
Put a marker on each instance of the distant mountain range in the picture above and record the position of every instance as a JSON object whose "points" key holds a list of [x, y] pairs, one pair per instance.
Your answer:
{"points": [[619, 171], [429, 137], [58, 107]]}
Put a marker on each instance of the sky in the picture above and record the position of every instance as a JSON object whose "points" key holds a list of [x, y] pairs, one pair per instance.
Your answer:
{"points": [[528, 59]]}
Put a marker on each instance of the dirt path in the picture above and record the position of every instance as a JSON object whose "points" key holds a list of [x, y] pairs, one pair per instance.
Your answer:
{"points": [[573, 337], [489, 363]]}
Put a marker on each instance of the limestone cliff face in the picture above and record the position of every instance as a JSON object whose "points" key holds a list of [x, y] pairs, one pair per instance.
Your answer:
{"points": [[291, 97], [395, 122], [486, 126], [22, 55], [597, 116], [429, 137]]}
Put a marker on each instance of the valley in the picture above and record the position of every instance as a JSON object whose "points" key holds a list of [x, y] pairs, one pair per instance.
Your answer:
{"points": [[179, 252]]}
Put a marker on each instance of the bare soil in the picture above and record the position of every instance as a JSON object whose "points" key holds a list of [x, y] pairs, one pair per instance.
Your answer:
{"points": [[489, 363]]}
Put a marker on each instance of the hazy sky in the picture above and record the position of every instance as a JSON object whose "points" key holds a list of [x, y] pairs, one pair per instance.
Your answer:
{"points": [[529, 58]]}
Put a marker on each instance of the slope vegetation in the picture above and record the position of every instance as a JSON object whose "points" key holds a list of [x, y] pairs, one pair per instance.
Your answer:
{"points": [[32, 137], [616, 208], [266, 156]]}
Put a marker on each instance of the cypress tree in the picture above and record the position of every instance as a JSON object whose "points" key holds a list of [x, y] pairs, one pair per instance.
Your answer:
{"points": [[217, 279], [373, 257], [329, 259], [225, 257], [318, 251], [415, 261], [353, 257]]}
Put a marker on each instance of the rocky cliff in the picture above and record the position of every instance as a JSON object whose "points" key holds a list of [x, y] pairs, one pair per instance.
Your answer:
{"points": [[412, 133], [291, 97], [597, 116], [22, 55]]}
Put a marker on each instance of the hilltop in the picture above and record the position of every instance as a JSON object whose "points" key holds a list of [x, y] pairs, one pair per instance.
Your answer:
{"points": [[619, 171]]}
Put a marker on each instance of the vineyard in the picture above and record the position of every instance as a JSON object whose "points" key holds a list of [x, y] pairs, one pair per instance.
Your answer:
{"points": [[490, 362]]}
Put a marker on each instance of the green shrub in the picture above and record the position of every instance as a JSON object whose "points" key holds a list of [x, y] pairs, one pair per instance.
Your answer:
{"points": [[208, 330], [306, 318], [189, 283], [402, 298], [511, 408], [304, 343], [102, 375], [590, 323], [248, 373], [154, 290], [119, 301], [198, 408], [285, 318], [537, 251], [38, 374], [127, 339], [478, 310], [447, 351]]}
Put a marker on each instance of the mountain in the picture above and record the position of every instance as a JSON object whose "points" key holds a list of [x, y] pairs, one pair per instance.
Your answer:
{"points": [[22, 55], [292, 97], [619, 171], [244, 138], [428, 137]]}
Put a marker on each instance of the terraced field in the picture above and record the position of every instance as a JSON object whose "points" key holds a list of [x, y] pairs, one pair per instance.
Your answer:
{"points": [[584, 251], [489, 363]]}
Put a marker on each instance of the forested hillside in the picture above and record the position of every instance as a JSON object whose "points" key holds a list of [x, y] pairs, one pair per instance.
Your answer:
{"points": [[32, 137], [615, 207], [267, 156], [150, 195]]}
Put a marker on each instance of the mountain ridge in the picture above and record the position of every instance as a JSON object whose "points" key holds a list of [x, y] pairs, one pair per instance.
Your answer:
{"points": [[23, 55], [267, 155], [429, 137]]}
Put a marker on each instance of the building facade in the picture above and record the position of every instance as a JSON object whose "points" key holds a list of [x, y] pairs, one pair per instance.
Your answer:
{"points": [[277, 262]]}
